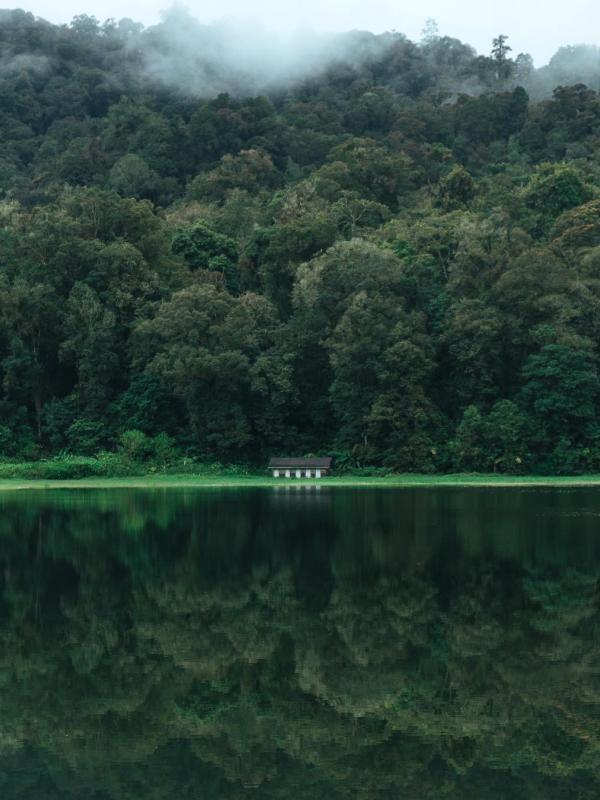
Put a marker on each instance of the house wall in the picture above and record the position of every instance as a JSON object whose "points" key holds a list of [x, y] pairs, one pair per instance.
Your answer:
{"points": [[306, 472]]}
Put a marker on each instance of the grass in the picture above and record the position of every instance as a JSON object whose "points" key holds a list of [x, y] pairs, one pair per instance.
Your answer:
{"points": [[210, 481]]}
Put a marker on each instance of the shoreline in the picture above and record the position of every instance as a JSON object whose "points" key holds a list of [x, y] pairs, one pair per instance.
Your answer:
{"points": [[407, 480]]}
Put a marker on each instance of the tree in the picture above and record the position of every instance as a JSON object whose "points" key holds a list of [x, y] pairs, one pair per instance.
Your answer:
{"points": [[500, 51], [373, 171], [578, 227], [85, 25], [474, 336], [91, 345], [552, 190], [457, 189], [214, 365], [524, 67], [560, 392], [508, 431], [28, 359], [206, 249], [430, 31], [130, 176], [251, 171], [273, 254], [468, 447]]}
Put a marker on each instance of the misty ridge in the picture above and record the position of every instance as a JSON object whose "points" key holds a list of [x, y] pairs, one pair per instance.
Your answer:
{"points": [[243, 58]]}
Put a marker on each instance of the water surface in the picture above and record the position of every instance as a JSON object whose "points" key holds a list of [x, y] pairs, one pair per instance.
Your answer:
{"points": [[300, 643]]}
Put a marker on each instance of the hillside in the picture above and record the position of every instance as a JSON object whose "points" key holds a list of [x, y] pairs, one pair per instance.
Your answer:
{"points": [[377, 248]]}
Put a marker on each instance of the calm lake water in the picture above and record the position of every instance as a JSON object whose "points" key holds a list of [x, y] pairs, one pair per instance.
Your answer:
{"points": [[300, 644]]}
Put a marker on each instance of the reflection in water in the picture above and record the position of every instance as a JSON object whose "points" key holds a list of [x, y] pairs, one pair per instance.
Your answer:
{"points": [[291, 644]]}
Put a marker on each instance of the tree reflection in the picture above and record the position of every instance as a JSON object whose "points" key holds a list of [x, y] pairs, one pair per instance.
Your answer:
{"points": [[373, 644]]}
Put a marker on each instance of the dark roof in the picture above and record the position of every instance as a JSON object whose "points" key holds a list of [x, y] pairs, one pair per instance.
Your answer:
{"points": [[300, 463]]}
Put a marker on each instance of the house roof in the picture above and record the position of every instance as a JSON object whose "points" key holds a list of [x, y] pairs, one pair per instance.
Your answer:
{"points": [[300, 463]]}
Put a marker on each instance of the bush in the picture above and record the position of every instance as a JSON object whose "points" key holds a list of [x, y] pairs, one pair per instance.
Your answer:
{"points": [[86, 436], [368, 472], [68, 468], [135, 445], [164, 451]]}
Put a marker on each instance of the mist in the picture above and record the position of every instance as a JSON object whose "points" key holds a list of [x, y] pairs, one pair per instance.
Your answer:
{"points": [[13, 65], [571, 65], [242, 56], [245, 58]]}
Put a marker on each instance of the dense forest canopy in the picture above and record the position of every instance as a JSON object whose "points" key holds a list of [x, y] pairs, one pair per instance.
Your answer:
{"points": [[368, 246]]}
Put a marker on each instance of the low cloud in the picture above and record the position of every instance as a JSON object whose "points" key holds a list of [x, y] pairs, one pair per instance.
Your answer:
{"points": [[240, 55], [23, 62]]}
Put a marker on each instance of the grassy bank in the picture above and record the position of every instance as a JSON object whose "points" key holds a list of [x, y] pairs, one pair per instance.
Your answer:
{"points": [[211, 481]]}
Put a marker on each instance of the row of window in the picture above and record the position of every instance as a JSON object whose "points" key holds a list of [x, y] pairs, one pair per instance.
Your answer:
{"points": [[287, 473]]}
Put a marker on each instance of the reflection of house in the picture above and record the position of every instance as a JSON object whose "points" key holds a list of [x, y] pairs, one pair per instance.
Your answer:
{"points": [[300, 467]]}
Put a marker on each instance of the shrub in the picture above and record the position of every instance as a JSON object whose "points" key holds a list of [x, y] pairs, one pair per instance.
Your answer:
{"points": [[163, 449], [135, 445]]}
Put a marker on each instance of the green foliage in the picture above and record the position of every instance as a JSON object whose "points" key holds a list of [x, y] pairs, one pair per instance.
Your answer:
{"points": [[578, 228], [130, 176], [552, 190], [457, 189], [163, 449], [86, 436], [468, 446], [135, 445], [156, 451], [361, 261], [68, 467], [508, 437], [199, 244], [251, 171], [561, 390], [204, 248], [498, 441]]}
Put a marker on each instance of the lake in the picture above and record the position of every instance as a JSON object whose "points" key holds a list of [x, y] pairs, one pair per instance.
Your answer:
{"points": [[300, 643]]}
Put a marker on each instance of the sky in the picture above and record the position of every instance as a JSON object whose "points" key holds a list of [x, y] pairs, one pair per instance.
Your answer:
{"points": [[539, 28]]}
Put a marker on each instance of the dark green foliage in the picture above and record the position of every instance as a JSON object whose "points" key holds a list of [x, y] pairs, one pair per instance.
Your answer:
{"points": [[397, 258], [204, 248], [457, 189], [561, 391], [552, 190]]}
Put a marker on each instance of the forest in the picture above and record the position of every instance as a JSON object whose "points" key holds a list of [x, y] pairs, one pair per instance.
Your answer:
{"points": [[390, 254]]}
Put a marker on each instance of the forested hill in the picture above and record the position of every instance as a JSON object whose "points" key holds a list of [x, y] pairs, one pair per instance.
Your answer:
{"points": [[385, 250]]}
